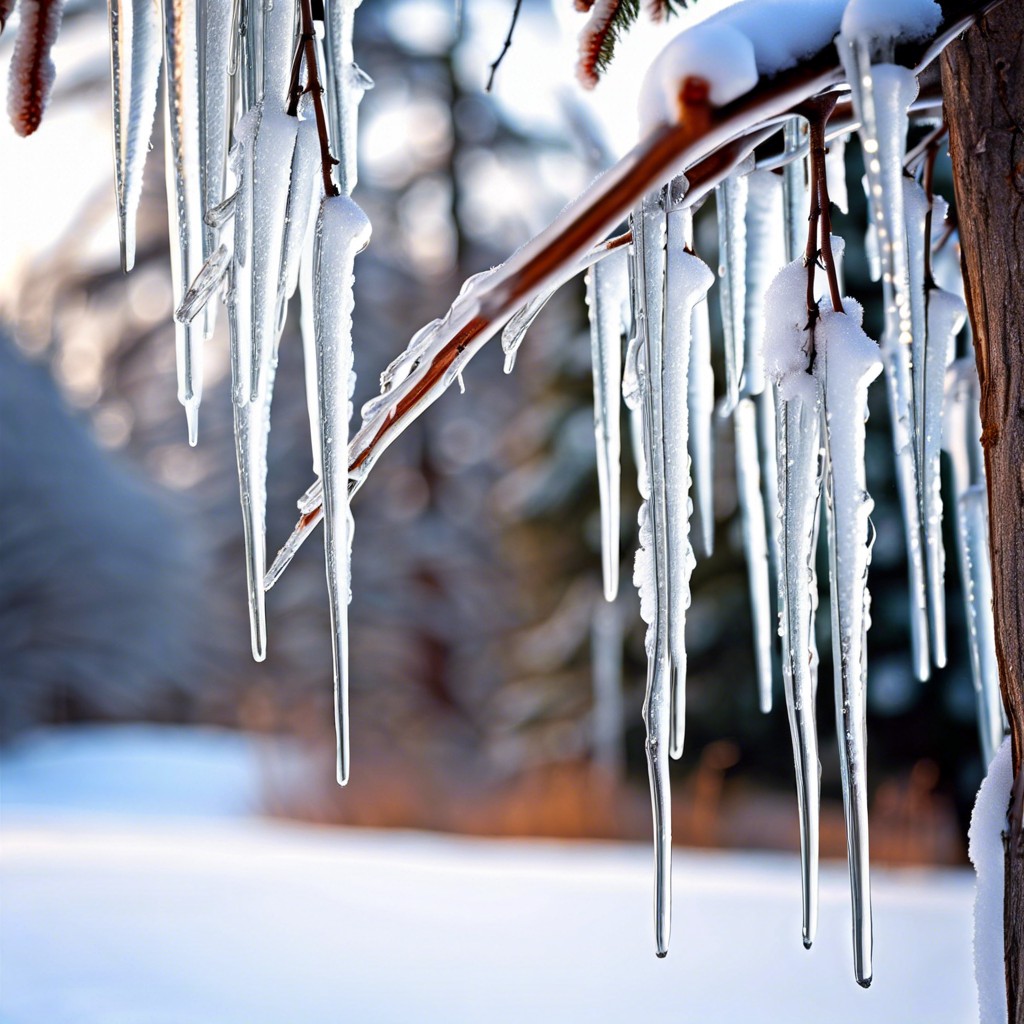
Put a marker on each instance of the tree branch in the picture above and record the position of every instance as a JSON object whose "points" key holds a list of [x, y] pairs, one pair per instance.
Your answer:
{"points": [[705, 148]]}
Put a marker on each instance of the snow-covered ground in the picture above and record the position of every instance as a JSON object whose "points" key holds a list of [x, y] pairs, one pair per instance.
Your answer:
{"points": [[137, 890]]}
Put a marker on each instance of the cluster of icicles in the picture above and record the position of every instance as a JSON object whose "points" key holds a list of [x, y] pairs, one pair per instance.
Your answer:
{"points": [[255, 214], [251, 219]]}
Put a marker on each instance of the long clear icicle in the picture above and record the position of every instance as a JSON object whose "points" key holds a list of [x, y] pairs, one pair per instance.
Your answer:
{"points": [[184, 199], [846, 363], [799, 475], [607, 299], [701, 402], [931, 352], [342, 230], [345, 84], [731, 203], [135, 54], [213, 39], [882, 94], [962, 441], [764, 257], [687, 280], [651, 569]]}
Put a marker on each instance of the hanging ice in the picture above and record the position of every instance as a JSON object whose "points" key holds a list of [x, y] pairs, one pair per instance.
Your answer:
{"points": [[846, 363], [687, 280], [651, 573], [882, 94], [787, 359], [930, 355], [342, 230], [302, 194], [214, 33], [701, 402], [764, 257], [962, 440], [345, 84], [608, 298], [731, 202], [135, 74], [184, 199], [519, 323], [795, 192]]}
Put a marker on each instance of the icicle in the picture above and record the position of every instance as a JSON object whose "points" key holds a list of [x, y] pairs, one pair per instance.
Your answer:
{"points": [[214, 33], [274, 148], [307, 331], [203, 287], [632, 397], [519, 323], [135, 73], [184, 198], [345, 85], [651, 571], [764, 257], [929, 370], [731, 200], [278, 51], [687, 280], [795, 191], [835, 172], [882, 94], [701, 401], [301, 196], [607, 298], [342, 230], [962, 440], [251, 473], [799, 473], [846, 363]]}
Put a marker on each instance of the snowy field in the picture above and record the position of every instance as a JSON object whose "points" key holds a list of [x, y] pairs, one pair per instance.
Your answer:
{"points": [[139, 888]]}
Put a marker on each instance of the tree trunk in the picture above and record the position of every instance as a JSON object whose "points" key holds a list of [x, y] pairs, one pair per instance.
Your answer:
{"points": [[983, 82]]}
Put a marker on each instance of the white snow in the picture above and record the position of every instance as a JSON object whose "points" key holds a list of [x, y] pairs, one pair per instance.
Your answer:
{"points": [[151, 917], [786, 339], [891, 19], [716, 53], [988, 821]]}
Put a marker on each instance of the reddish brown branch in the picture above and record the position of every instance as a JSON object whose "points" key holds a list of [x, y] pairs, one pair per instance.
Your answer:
{"points": [[305, 52]]}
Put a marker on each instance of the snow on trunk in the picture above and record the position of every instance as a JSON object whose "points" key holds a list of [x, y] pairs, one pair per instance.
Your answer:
{"points": [[985, 848], [135, 55]]}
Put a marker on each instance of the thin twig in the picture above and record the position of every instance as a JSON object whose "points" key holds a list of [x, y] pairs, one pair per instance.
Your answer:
{"points": [[819, 177], [505, 46], [307, 47]]}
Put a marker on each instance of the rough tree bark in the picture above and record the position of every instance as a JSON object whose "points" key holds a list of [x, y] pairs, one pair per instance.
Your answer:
{"points": [[983, 81]]}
